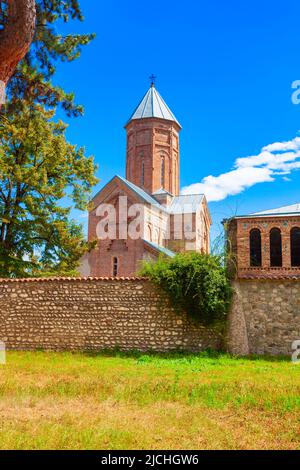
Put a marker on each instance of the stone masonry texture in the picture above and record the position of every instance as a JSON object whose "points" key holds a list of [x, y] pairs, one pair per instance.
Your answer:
{"points": [[265, 316], [93, 314]]}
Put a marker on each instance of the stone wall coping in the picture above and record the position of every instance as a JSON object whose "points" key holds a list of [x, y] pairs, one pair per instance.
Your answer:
{"points": [[269, 277], [70, 279]]}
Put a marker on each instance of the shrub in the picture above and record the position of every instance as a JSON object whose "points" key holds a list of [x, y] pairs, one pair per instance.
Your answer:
{"points": [[196, 283]]}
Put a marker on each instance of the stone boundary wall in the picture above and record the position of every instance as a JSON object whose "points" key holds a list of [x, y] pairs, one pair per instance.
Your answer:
{"points": [[265, 316], [93, 314]]}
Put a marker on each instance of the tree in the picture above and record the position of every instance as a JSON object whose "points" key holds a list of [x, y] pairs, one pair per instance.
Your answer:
{"points": [[15, 36], [31, 81], [39, 168]]}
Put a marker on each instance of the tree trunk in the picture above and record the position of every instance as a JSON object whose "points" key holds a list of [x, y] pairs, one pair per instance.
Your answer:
{"points": [[15, 38]]}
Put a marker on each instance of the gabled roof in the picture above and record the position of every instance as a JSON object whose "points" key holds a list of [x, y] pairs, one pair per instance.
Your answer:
{"points": [[160, 248], [188, 203], [293, 209], [153, 105], [140, 192], [179, 205], [161, 191]]}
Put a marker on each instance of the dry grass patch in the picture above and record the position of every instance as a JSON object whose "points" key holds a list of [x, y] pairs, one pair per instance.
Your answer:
{"points": [[78, 401]]}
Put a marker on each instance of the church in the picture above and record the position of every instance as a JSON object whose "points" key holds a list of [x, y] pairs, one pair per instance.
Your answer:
{"points": [[143, 216]]}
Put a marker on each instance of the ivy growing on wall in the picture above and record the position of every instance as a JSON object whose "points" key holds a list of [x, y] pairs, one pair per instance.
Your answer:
{"points": [[196, 283]]}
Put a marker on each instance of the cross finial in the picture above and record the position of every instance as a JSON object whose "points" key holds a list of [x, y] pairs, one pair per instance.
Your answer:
{"points": [[152, 79]]}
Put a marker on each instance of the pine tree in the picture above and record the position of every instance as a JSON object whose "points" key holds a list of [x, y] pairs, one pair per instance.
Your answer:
{"points": [[38, 166], [17, 23], [32, 79]]}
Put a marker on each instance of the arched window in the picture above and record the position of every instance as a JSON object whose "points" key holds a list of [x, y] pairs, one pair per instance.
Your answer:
{"points": [[275, 248], [255, 247], [295, 246], [143, 173], [115, 266], [162, 175]]}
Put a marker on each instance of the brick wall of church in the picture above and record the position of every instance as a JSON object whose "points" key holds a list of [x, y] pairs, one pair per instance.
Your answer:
{"points": [[128, 253], [95, 314], [148, 141], [238, 231]]}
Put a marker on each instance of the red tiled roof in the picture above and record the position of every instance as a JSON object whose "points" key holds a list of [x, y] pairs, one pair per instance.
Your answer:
{"points": [[76, 279]]}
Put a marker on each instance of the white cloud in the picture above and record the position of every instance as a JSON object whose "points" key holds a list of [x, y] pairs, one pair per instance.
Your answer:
{"points": [[234, 182], [293, 144], [277, 159]]}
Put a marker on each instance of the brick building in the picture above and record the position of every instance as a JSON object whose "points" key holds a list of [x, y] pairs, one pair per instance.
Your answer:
{"points": [[266, 244], [147, 215]]}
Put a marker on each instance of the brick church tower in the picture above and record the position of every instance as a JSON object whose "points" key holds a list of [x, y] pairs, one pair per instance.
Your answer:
{"points": [[152, 156], [148, 199]]}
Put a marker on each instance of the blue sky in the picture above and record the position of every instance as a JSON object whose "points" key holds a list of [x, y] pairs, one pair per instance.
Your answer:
{"points": [[224, 68]]}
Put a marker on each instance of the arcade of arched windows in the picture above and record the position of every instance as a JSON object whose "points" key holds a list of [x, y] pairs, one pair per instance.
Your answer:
{"points": [[277, 247]]}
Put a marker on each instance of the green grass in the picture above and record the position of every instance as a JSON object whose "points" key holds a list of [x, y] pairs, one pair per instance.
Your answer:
{"points": [[148, 401]]}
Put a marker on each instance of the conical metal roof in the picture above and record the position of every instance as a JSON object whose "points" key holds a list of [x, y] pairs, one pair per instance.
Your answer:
{"points": [[153, 105]]}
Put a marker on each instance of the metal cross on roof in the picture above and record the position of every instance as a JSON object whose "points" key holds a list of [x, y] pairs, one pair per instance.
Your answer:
{"points": [[152, 79]]}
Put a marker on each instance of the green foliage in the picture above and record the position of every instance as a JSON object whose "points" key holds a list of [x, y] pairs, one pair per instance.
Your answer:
{"points": [[32, 79], [39, 168], [196, 283]]}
